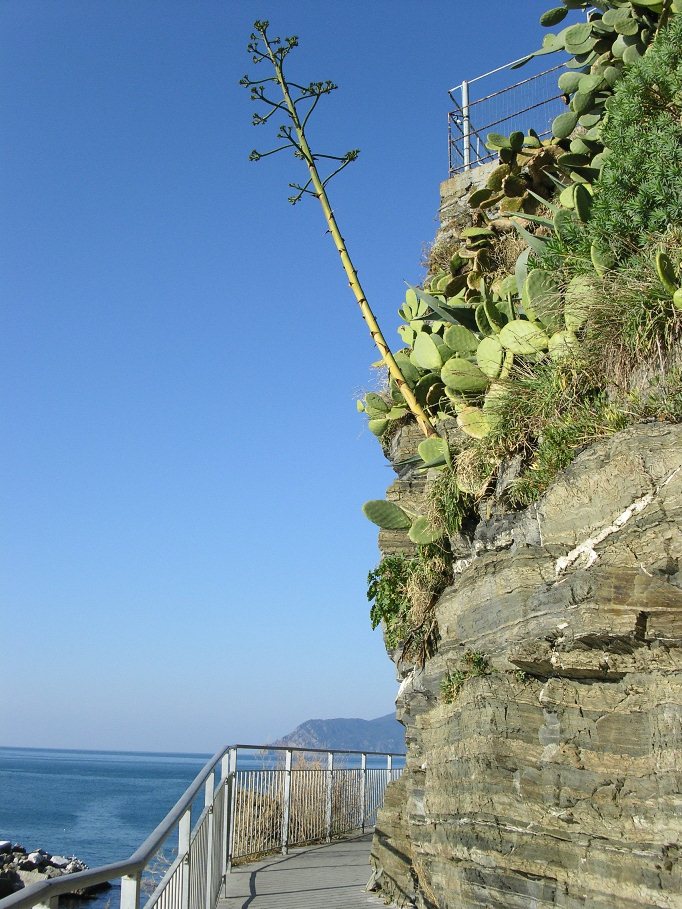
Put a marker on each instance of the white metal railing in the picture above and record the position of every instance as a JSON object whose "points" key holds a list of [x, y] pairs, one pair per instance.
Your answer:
{"points": [[297, 796], [503, 109]]}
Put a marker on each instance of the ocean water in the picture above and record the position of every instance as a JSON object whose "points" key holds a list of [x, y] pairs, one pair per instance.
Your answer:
{"points": [[99, 806]]}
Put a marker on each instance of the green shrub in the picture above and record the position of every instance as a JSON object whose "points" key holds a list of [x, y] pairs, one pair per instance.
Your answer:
{"points": [[387, 590], [640, 188], [403, 591]]}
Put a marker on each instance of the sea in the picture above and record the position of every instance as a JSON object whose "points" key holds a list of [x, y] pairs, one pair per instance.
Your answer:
{"points": [[97, 805]]}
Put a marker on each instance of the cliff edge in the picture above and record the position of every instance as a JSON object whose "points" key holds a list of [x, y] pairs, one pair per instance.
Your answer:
{"points": [[545, 734]]}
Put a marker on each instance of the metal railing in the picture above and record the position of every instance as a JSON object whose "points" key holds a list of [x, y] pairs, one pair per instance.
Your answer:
{"points": [[533, 100], [297, 796]]}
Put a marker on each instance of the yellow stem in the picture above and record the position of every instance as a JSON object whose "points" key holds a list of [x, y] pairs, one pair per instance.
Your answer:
{"points": [[346, 261]]}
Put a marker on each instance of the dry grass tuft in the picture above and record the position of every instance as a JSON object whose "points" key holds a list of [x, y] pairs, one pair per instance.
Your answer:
{"points": [[436, 257], [503, 255]]}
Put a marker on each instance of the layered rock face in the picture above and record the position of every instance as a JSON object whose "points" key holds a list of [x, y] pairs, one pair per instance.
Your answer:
{"points": [[553, 777]]}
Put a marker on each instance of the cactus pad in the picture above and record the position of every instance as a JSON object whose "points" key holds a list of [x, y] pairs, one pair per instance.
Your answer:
{"points": [[422, 532], [489, 357], [386, 515], [473, 422], [462, 376], [523, 338]]}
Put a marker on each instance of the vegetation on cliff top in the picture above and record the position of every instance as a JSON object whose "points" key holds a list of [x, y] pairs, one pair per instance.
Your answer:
{"points": [[582, 336], [554, 319]]}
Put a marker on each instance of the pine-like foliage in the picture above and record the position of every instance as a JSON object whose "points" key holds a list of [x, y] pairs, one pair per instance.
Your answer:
{"points": [[640, 190]]}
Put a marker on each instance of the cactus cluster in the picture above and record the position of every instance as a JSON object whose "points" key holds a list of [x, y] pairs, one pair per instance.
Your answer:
{"points": [[469, 326], [461, 350], [525, 169], [615, 35], [381, 409]]}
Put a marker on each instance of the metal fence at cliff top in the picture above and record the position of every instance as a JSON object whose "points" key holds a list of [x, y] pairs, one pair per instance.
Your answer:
{"points": [[486, 104]]}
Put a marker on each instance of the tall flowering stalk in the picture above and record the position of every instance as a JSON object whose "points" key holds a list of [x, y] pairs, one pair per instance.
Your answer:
{"points": [[298, 103]]}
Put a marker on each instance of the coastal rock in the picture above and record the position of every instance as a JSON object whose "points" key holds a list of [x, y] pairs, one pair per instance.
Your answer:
{"points": [[20, 868], [5, 846], [553, 777]]}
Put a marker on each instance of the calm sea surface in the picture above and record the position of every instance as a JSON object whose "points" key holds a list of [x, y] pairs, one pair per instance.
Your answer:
{"points": [[97, 805]]}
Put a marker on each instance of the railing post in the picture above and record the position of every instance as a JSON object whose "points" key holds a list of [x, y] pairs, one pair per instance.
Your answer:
{"points": [[389, 768], [130, 891], [466, 126], [184, 832], [363, 789], [225, 832], [209, 788], [330, 781], [51, 903], [230, 806], [449, 144], [286, 807]]}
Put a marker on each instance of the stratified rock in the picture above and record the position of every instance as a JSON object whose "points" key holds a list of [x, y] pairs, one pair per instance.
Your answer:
{"points": [[554, 779]]}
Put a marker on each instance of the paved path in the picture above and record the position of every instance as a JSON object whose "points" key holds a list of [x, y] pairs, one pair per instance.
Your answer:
{"points": [[313, 877]]}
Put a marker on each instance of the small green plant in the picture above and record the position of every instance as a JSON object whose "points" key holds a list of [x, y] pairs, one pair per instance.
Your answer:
{"points": [[476, 665], [387, 591], [451, 685], [403, 591]]}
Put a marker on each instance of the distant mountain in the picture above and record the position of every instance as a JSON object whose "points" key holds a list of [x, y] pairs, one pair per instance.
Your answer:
{"points": [[383, 734]]}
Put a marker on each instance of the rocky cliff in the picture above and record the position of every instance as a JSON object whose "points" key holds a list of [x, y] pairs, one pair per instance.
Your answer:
{"points": [[545, 734]]}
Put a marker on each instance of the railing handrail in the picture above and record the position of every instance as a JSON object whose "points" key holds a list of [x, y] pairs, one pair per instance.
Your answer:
{"points": [[44, 892], [492, 72], [316, 750]]}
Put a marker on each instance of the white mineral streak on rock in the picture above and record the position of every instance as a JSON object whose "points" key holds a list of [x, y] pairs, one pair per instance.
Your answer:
{"points": [[406, 682], [587, 548]]}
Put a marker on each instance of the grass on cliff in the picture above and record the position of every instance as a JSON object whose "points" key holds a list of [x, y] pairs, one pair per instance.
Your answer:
{"points": [[627, 369], [475, 665], [546, 415]]}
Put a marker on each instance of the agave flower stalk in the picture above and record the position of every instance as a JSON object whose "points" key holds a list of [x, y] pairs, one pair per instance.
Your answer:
{"points": [[274, 50]]}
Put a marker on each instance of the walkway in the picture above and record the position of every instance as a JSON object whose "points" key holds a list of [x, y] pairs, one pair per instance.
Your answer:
{"points": [[331, 876]]}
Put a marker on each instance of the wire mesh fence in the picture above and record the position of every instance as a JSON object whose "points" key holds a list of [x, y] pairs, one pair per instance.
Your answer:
{"points": [[486, 104], [317, 804]]}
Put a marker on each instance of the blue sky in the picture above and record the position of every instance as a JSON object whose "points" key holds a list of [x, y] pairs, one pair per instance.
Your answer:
{"points": [[183, 551]]}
